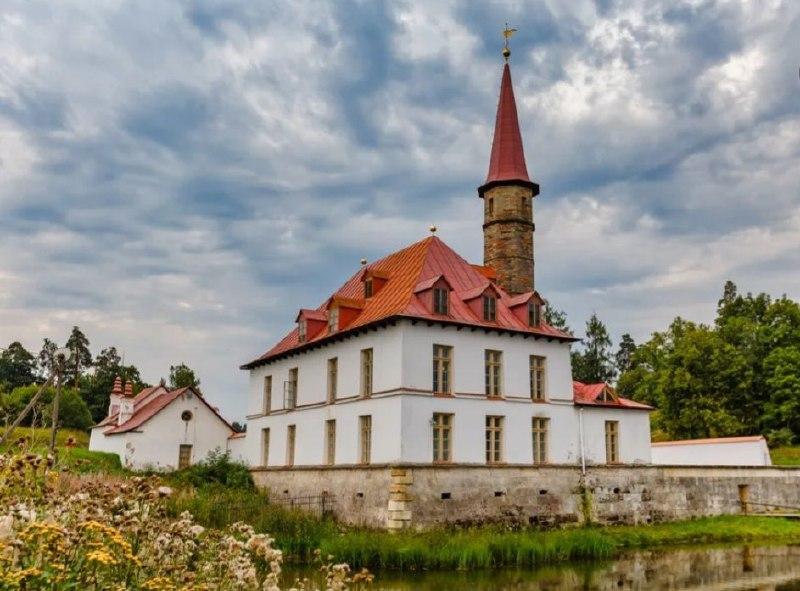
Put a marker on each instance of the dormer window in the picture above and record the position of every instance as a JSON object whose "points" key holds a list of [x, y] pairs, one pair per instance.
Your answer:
{"points": [[301, 330], [534, 313], [333, 319], [489, 307], [440, 300], [368, 287]]}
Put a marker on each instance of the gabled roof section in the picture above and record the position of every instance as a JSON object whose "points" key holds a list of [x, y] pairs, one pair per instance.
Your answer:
{"points": [[590, 395], [507, 162], [147, 408], [425, 261], [429, 283]]}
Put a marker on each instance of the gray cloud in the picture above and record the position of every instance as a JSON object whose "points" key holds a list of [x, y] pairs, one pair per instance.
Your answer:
{"points": [[179, 177]]}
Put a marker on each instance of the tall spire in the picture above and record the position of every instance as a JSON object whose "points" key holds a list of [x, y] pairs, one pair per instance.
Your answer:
{"points": [[507, 162]]}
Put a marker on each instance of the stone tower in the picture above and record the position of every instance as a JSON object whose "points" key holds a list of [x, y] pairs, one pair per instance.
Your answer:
{"points": [[508, 200]]}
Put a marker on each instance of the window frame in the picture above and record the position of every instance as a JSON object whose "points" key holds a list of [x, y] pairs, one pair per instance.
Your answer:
{"points": [[365, 439], [489, 307], [302, 330], [369, 288], [333, 379], [330, 442], [494, 427], [333, 319], [367, 372], [538, 378], [291, 440], [265, 434], [442, 369], [266, 395], [540, 437], [493, 373], [442, 437], [534, 313], [612, 442], [441, 301], [290, 395]]}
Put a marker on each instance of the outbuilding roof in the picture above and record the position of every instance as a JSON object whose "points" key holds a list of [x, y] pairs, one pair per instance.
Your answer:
{"points": [[590, 395]]}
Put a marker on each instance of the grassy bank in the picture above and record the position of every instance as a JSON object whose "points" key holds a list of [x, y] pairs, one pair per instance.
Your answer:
{"points": [[299, 534], [785, 456]]}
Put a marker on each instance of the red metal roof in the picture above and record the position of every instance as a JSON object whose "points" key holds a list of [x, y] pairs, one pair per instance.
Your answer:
{"points": [[587, 395], [406, 269], [507, 162], [145, 408]]}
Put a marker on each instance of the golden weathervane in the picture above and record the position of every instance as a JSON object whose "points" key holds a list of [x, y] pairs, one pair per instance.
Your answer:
{"points": [[507, 33]]}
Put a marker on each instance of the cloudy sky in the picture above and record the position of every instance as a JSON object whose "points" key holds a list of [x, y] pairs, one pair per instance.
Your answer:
{"points": [[178, 178]]}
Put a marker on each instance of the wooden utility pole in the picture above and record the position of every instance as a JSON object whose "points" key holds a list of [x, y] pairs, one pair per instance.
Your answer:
{"points": [[60, 366], [27, 409]]}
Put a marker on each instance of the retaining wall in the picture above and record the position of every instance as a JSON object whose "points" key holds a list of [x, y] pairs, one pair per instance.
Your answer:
{"points": [[421, 496]]}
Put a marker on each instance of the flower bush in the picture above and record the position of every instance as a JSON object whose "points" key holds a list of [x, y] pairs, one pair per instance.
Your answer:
{"points": [[62, 531]]}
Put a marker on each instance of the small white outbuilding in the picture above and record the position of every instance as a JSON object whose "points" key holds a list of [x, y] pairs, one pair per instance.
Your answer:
{"points": [[160, 428], [720, 451]]}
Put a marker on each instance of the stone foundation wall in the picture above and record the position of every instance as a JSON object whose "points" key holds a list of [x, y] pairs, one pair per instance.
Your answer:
{"points": [[397, 497]]}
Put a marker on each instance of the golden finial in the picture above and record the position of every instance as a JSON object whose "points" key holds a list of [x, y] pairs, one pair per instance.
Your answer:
{"points": [[507, 33], [363, 262], [433, 229]]}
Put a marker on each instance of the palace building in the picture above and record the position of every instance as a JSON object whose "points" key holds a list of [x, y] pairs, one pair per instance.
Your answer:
{"points": [[424, 358]]}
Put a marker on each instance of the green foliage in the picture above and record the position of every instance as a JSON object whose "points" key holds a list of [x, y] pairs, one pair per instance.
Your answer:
{"points": [[96, 388], [556, 318], [593, 363], [740, 376], [72, 413], [785, 456], [17, 366], [80, 356], [627, 346], [216, 469], [181, 376], [38, 438]]}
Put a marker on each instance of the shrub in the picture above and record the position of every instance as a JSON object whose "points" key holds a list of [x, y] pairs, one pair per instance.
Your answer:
{"points": [[217, 469], [72, 410]]}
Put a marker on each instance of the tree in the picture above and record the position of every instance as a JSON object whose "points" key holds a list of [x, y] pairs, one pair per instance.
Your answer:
{"points": [[80, 356], [17, 366], [181, 376], [593, 363], [46, 359], [556, 318], [781, 418], [72, 412], [95, 388], [623, 357]]}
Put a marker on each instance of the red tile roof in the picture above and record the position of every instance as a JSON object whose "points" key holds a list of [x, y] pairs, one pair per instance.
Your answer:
{"points": [[588, 394], [743, 439], [145, 409], [507, 162], [406, 270]]}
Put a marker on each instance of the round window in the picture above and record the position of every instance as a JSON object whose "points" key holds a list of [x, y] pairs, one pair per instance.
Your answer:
{"points": [[186, 415]]}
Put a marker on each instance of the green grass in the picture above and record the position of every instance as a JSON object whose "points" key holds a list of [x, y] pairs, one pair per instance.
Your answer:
{"points": [[39, 438], [785, 456], [491, 548]]}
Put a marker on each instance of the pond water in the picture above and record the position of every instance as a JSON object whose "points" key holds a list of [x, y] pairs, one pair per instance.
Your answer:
{"points": [[741, 568]]}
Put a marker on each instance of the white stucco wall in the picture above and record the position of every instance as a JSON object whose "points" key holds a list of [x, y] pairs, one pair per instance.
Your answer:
{"points": [[712, 452], [403, 405], [155, 443]]}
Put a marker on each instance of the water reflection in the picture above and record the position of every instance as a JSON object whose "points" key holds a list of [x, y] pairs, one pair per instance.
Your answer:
{"points": [[762, 568]]}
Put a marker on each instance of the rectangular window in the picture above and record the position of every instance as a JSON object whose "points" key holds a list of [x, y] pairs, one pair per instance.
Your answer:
{"points": [[264, 447], [333, 377], [365, 429], [330, 442], [442, 358], [291, 431], [301, 331], [537, 377], [290, 392], [534, 314], [366, 372], [333, 319], [489, 308], [494, 372], [368, 287], [440, 300], [442, 437], [184, 456], [491, 205], [540, 440], [612, 442], [267, 401], [494, 439]]}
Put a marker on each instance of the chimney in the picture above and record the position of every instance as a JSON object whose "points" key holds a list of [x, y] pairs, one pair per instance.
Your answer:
{"points": [[126, 405], [116, 397]]}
